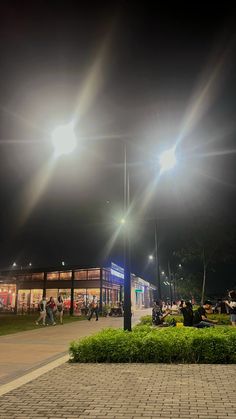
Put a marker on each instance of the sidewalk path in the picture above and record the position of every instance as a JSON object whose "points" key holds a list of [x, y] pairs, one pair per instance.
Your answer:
{"points": [[134, 391], [24, 351]]}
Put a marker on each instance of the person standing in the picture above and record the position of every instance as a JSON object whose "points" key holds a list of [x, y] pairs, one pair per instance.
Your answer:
{"points": [[93, 309], [42, 311], [60, 307], [50, 308], [232, 307]]}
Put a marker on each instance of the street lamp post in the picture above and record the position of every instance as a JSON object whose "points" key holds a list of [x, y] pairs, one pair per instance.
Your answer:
{"points": [[127, 272], [170, 280], [158, 277]]}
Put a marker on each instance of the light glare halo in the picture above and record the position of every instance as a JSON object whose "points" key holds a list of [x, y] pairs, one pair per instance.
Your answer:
{"points": [[64, 139], [167, 160]]}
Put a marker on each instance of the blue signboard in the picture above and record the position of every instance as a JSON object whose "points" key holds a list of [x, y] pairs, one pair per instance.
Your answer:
{"points": [[117, 274]]}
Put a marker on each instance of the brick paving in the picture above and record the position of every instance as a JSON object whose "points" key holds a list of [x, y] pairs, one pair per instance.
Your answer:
{"points": [[126, 391]]}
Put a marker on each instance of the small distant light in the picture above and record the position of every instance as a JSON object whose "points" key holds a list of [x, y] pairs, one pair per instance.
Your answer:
{"points": [[14, 264], [180, 266], [122, 221], [150, 257], [163, 273], [63, 263], [30, 264]]}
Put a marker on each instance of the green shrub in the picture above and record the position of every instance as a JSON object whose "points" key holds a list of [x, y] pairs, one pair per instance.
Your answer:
{"points": [[163, 345]]}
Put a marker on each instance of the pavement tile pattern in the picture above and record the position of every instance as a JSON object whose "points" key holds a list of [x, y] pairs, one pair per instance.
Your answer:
{"points": [[126, 391]]}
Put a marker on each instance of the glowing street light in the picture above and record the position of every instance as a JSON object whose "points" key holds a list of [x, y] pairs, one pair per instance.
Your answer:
{"points": [[167, 160], [123, 221], [64, 139], [151, 257], [14, 265]]}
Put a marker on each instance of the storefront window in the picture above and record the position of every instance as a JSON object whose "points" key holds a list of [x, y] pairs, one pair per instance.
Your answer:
{"points": [[35, 298], [51, 293], [91, 293], [52, 276], [7, 297], [81, 275], [23, 301], [37, 276], [94, 274], [105, 275], [26, 277], [65, 275]]}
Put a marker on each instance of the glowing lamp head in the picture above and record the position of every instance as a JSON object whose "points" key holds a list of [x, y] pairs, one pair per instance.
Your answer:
{"points": [[167, 160], [150, 257], [64, 139]]}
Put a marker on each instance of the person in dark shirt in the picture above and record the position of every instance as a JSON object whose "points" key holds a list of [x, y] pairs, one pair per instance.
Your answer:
{"points": [[157, 315], [186, 309], [200, 319]]}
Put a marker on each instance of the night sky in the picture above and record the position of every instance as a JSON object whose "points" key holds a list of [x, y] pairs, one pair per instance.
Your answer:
{"points": [[144, 75]]}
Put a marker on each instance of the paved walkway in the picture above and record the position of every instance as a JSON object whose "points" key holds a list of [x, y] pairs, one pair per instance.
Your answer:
{"points": [[126, 391], [24, 351]]}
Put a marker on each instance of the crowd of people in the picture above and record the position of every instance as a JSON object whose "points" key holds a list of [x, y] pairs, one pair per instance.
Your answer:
{"points": [[49, 310], [194, 318], [53, 309]]}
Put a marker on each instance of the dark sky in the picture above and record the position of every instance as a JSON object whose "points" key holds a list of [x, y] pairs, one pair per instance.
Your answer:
{"points": [[147, 75]]}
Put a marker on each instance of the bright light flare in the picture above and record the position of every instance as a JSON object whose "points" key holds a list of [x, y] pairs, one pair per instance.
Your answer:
{"points": [[167, 160], [123, 221], [150, 257], [64, 139]]}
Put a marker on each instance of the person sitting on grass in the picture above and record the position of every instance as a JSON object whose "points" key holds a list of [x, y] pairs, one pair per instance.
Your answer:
{"points": [[186, 309], [158, 316], [200, 319]]}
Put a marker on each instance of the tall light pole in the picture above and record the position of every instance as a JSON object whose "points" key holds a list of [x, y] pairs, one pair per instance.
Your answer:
{"points": [[127, 272], [158, 277], [155, 258]]}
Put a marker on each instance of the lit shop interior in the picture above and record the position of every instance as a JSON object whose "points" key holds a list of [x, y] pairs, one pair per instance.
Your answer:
{"points": [[22, 290]]}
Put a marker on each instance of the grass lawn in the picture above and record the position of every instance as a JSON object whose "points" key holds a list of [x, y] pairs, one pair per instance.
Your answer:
{"points": [[10, 323]]}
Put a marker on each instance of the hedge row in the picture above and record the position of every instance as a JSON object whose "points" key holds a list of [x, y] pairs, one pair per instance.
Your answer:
{"points": [[158, 345], [223, 319]]}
